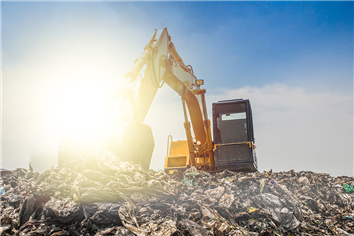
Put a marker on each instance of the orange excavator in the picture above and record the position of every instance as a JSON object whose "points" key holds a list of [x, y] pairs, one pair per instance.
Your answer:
{"points": [[233, 147]]}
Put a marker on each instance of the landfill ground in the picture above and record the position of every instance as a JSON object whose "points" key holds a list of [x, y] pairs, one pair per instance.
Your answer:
{"points": [[103, 195]]}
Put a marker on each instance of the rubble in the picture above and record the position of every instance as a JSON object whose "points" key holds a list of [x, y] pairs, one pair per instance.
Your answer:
{"points": [[103, 195]]}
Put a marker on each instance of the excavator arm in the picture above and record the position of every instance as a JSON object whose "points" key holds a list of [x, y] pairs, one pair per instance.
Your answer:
{"points": [[163, 64]]}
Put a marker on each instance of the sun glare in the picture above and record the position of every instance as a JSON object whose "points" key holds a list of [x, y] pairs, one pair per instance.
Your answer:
{"points": [[80, 91], [82, 106]]}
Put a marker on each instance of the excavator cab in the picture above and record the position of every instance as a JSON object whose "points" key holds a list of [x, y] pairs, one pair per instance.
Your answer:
{"points": [[233, 136]]}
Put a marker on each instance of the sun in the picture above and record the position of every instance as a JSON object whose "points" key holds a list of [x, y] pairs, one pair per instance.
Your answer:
{"points": [[83, 105]]}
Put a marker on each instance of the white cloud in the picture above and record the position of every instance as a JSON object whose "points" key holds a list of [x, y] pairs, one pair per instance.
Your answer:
{"points": [[294, 128], [298, 129]]}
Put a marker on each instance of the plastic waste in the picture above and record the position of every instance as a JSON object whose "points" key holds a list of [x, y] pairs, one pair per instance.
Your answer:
{"points": [[348, 217], [251, 209], [2, 190], [348, 188], [273, 181], [101, 194]]}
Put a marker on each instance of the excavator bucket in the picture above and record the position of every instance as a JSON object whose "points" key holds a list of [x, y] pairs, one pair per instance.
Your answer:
{"points": [[178, 158], [132, 141]]}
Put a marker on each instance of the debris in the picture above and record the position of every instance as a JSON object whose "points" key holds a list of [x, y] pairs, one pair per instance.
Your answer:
{"points": [[104, 195], [348, 188], [251, 209], [2, 190]]}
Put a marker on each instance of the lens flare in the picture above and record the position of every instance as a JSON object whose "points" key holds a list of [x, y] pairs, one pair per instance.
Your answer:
{"points": [[82, 107]]}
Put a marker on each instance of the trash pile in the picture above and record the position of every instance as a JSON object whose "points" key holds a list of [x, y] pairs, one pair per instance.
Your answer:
{"points": [[103, 195]]}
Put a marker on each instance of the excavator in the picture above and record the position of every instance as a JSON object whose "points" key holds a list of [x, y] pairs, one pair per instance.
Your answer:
{"points": [[128, 137]]}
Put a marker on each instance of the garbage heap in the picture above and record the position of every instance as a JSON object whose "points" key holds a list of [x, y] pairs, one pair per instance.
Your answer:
{"points": [[103, 195]]}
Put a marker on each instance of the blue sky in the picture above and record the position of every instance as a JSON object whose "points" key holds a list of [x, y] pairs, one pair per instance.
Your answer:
{"points": [[294, 60]]}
